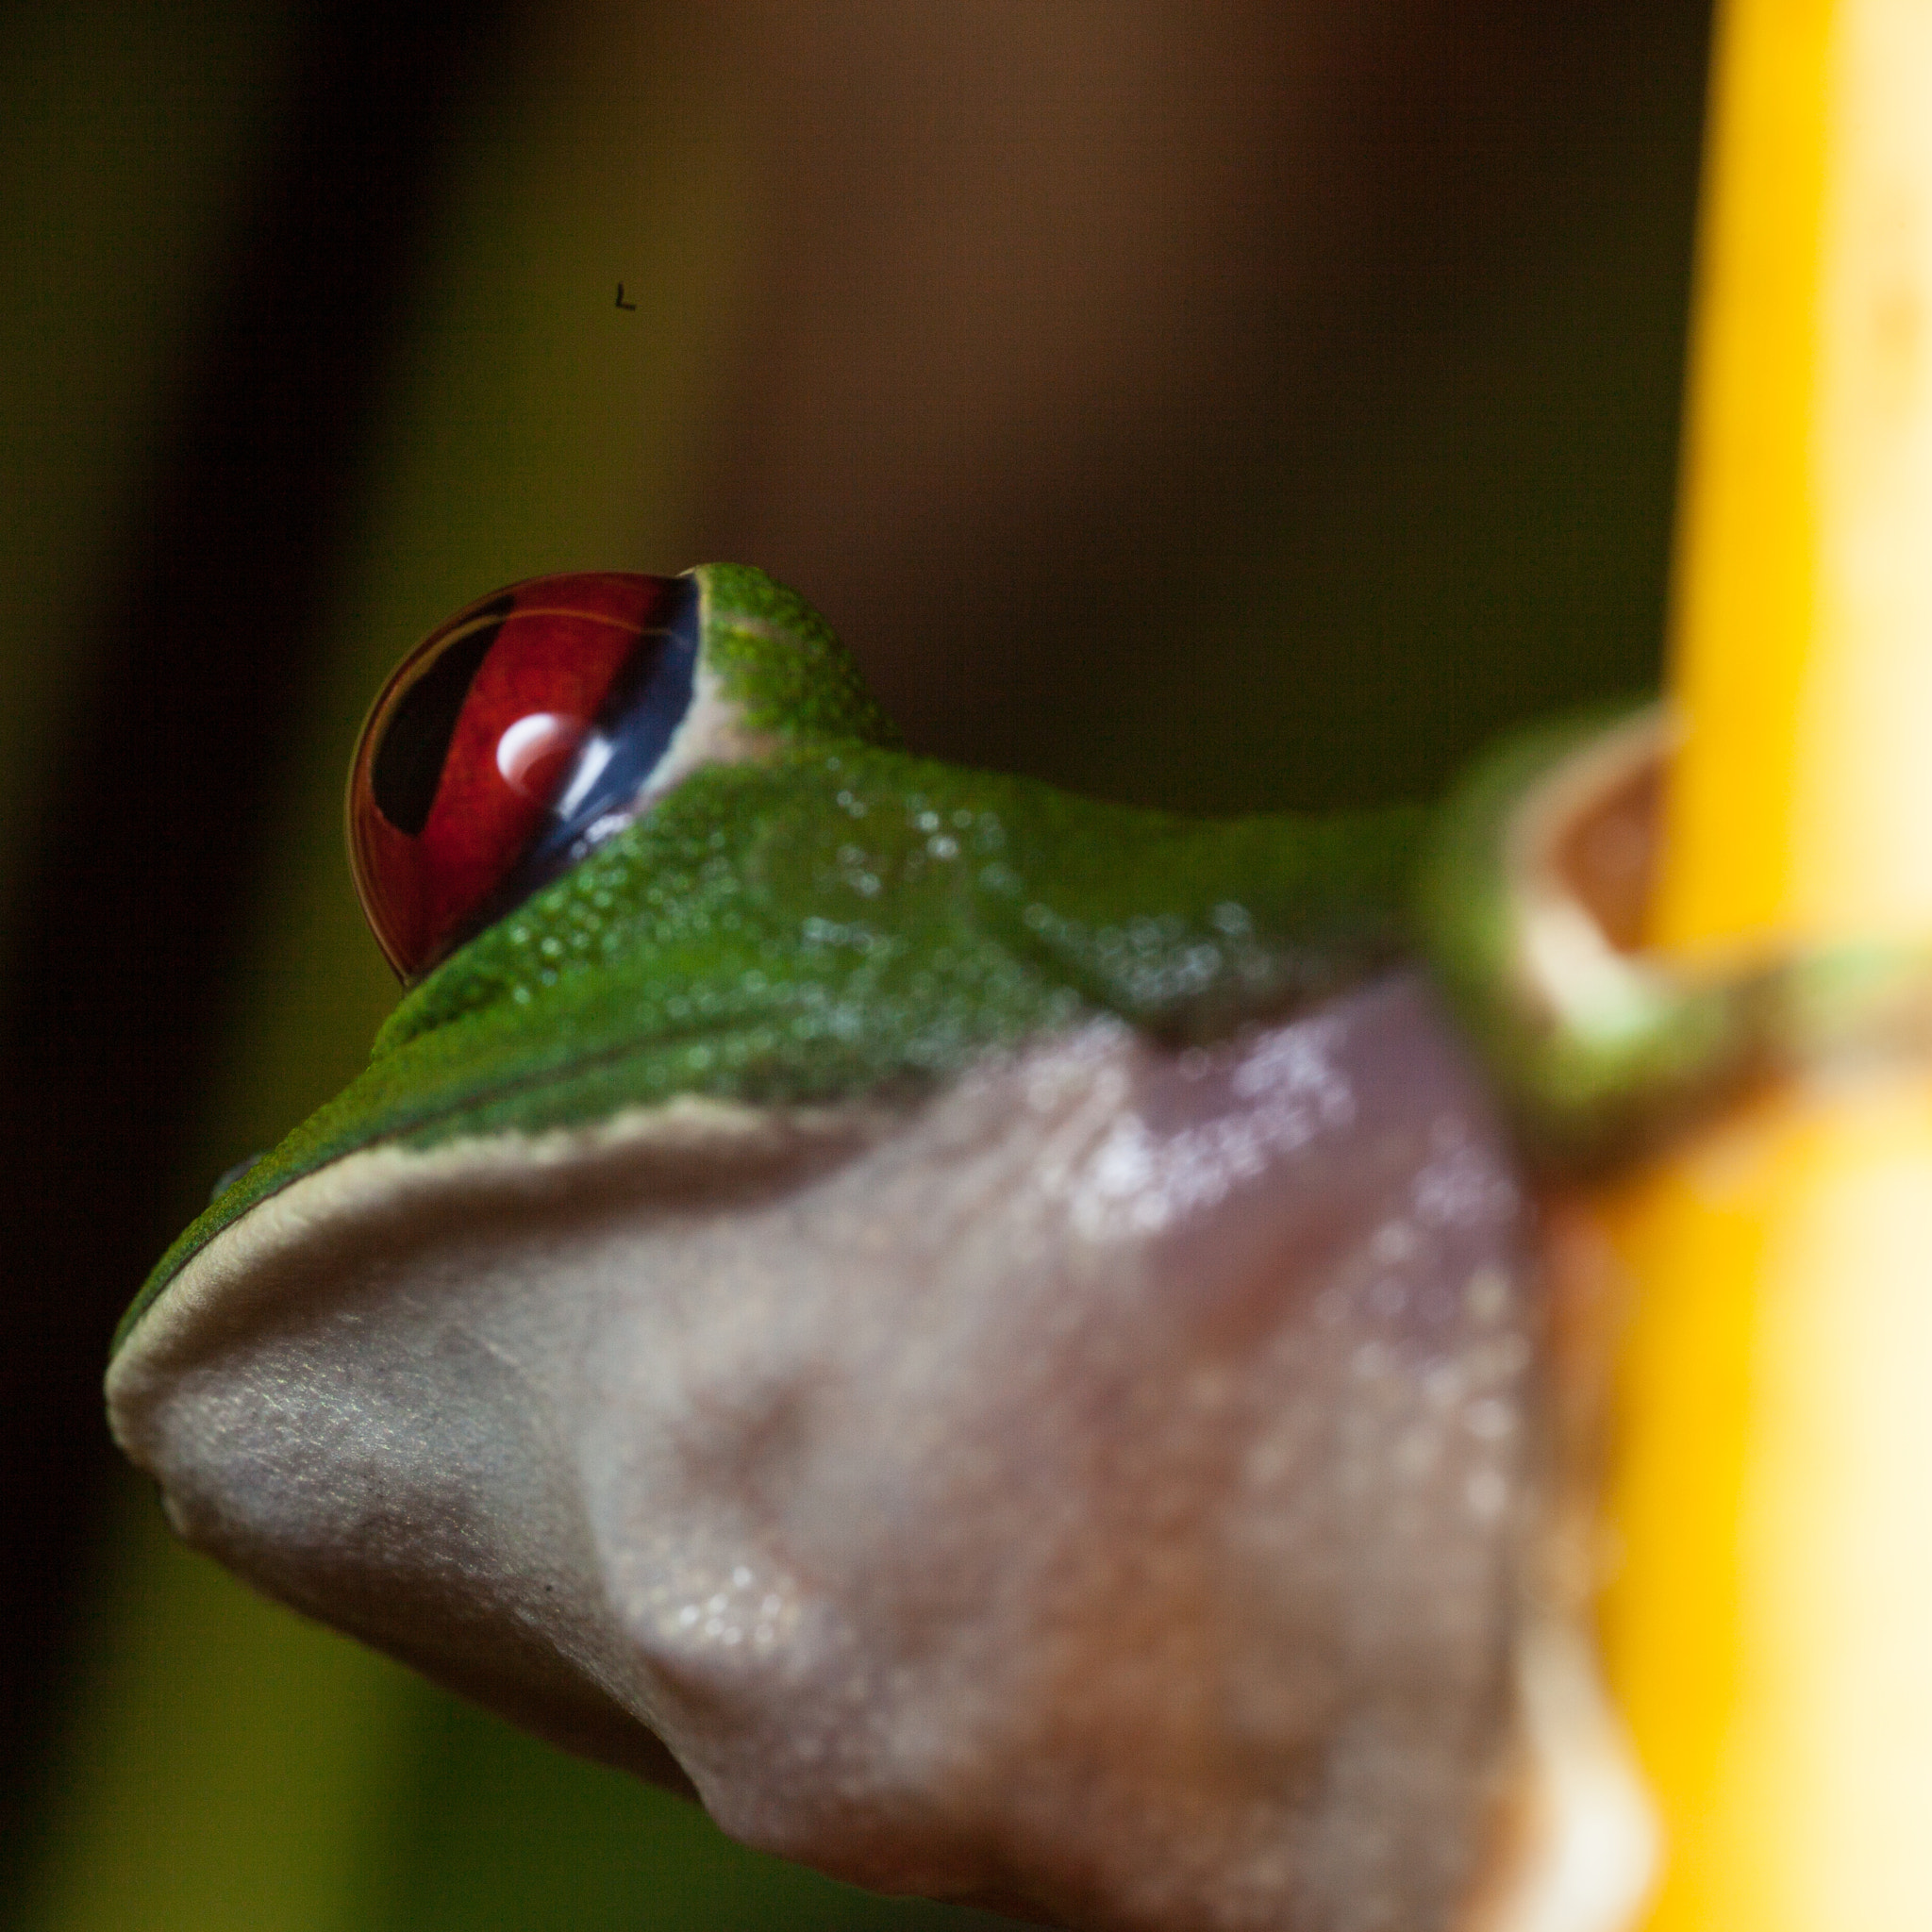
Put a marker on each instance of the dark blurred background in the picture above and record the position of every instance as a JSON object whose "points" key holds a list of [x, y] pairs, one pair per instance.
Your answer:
{"points": [[1212, 403]]}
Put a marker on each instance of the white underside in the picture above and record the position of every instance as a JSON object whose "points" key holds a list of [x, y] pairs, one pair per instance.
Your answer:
{"points": [[1099, 1488]]}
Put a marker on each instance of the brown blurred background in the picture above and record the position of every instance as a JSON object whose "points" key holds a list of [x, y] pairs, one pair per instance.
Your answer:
{"points": [[1221, 405]]}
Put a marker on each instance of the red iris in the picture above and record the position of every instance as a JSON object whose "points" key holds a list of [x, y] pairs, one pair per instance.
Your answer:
{"points": [[472, 739]]}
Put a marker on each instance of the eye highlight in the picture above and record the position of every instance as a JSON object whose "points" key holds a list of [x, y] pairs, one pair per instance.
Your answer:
{"points": [[508, 743]]}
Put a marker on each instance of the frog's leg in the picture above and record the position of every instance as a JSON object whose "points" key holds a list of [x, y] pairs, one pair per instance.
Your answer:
{"points": [[1531, 905]]}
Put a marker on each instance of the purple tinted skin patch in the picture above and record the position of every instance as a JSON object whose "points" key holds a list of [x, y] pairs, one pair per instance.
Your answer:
{"points": [[1099, 1489]]}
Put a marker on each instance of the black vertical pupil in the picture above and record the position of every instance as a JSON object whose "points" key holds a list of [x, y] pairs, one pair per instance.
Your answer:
{"points": [[408, 764]]}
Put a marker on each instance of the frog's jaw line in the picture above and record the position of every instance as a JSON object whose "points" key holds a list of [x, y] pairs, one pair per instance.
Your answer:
{"points": [[410, 1190]]}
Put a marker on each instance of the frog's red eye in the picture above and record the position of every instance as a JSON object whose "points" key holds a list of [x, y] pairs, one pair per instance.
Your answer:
{"points": [[506, 744]]}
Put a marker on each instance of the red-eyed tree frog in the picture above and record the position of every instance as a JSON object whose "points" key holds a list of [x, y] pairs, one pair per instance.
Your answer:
{"points": [[998, 1339]]}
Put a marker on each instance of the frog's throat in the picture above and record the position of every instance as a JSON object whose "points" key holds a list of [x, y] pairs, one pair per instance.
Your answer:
{"points": [[314, 1394]]}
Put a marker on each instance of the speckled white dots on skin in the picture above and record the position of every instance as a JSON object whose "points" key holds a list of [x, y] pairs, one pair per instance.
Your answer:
{"points": [[1099, 1485]]}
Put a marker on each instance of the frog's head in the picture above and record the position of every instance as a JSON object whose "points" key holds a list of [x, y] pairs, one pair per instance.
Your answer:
{"points": [[998, 1327], [542, 719]]}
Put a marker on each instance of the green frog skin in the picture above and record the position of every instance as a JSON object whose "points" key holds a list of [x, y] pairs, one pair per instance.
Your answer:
{"points": [[994, 1338]]}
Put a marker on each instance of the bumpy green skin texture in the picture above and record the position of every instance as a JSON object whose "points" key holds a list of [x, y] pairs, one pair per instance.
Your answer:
{"points": [[844, 918], [782, 661], [835, 919]]}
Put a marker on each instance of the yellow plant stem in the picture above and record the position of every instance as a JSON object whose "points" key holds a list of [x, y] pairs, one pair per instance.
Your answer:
{"points": [[1767, 1626]]}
